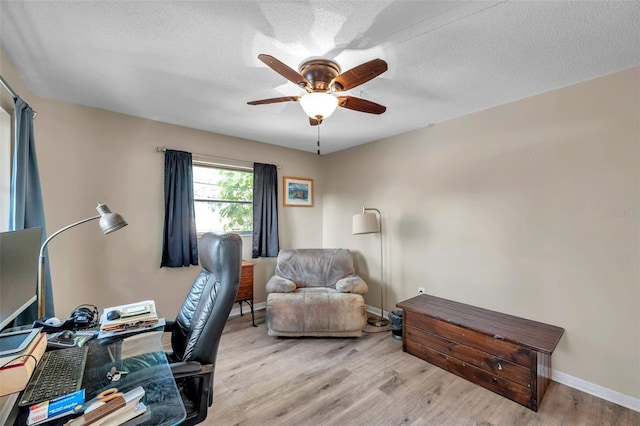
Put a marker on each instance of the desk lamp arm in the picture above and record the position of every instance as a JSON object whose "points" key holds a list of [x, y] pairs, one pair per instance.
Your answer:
{"points": [[42, 258]]}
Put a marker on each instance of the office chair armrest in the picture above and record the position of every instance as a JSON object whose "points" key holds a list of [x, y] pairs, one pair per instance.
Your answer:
{"points": [[189, 368], [169, 326]]}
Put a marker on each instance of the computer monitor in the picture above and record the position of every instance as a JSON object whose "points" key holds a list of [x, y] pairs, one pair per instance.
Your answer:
{"points": [[19, 252]]}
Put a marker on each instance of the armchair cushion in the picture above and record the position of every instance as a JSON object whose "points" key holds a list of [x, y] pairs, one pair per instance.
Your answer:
{"points": [[352, 284]]}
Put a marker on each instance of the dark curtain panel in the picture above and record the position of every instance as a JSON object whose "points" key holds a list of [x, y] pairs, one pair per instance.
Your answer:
{"points": [[180, 243], [265, 211], [26, 207]]}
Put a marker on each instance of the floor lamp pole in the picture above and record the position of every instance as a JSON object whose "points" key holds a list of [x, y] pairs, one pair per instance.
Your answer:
{"points": [[382, 321], [370, 223]]}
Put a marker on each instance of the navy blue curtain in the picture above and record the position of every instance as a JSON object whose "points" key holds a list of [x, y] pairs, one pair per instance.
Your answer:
{"points": [[265, 211], [180, 243], [26, 209]]}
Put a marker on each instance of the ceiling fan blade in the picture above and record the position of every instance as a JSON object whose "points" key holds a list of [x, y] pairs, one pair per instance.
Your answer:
{"points": [[359, 104], [285, 71], [358, 75], [314, 121], [275, 100]]}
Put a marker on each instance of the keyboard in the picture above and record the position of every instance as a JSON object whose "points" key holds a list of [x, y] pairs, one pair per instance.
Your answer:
{"points": [[58, 373]]}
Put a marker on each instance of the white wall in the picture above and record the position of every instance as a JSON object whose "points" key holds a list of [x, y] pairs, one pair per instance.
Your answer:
{"points": [[530, 208]]}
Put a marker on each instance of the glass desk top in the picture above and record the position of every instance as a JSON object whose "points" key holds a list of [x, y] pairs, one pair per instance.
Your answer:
{"points": [[142, 358]]}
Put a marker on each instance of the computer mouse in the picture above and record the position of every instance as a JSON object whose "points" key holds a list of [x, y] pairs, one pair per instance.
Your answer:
{"points": [[113, 315], [67, 335]]}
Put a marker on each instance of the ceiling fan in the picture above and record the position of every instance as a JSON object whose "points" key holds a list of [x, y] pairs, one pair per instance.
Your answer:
{"points": [[322, 77]]}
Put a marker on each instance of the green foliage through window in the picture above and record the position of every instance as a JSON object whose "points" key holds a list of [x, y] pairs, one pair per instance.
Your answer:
{"points": [[223, 199]]}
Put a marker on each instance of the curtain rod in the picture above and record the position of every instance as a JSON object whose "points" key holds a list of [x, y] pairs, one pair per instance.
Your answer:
{"points": [[9, 89], [12, 93], [210, 157]]}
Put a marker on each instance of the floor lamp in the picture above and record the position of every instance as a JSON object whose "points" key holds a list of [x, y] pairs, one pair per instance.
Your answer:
{"points": [[368, 223], [109, 222]]}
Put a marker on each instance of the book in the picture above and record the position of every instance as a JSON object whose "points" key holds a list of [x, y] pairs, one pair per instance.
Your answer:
{"points": [[55, 408], [122, 415], [161, 322], [132, 316], [16, 370]]}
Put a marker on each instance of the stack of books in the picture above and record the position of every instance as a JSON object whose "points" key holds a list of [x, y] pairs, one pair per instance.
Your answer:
{"points": [[130, 318], [16, 368]]}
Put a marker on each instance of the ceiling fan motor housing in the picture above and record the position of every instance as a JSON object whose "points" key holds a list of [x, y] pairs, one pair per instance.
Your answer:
{"points": [[320, 73]]}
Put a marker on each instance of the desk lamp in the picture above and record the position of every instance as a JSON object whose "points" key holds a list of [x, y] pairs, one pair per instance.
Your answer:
{"points": [[109, 222], [367, 223]]}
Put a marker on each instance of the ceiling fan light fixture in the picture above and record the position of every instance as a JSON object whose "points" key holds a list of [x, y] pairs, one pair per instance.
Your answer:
{"points": [[319, 105]]}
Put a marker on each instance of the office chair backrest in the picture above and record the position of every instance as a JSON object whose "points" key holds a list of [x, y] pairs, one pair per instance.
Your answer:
{"points": [[203, 315]]}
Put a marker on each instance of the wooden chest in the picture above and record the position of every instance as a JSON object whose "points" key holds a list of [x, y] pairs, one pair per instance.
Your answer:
{"points": [[505, 354]]}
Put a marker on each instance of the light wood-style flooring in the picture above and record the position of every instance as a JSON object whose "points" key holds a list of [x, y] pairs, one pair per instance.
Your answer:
{"points": [[262, 380]]}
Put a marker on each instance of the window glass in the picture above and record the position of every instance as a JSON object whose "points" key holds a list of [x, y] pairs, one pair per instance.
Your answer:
{"points": [[223, 199], [5, 168]]}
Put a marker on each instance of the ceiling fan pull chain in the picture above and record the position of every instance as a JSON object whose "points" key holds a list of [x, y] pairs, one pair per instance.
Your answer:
{"points": [[319, 138]]}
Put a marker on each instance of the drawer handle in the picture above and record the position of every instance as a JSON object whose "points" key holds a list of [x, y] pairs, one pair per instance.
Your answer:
{"points": [[499, 366]]}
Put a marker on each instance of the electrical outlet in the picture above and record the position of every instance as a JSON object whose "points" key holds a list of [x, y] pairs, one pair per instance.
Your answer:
{"points": [[421, 291]]}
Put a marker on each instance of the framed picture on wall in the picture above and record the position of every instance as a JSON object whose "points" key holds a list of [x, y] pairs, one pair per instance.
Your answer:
{"points": [[298, 192]]}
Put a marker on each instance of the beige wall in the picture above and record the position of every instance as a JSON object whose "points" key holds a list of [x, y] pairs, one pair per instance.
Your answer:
{"points": [[88, 155], [530, 208]]}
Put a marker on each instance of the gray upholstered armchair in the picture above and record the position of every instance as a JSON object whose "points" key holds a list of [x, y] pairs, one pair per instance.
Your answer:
{"points": [[315, 292]]}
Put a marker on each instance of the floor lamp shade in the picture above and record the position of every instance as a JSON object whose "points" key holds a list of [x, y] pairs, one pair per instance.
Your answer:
{"points": [[109, 222], [365, 223]]}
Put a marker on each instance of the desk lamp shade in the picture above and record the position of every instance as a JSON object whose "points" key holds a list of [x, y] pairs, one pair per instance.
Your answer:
{"points": [[109, 222]]}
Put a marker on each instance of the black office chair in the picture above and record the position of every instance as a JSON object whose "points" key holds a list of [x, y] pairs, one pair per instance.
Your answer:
{"points": [[196, 332]]}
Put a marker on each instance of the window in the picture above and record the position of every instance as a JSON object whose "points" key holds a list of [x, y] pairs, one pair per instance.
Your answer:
{"points": [[223, 198], [5, 168]]}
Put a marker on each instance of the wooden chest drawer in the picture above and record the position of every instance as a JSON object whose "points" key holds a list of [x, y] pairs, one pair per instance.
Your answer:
{"points": [[518, 393], [505, 354], [492, 364], [491, 345]]}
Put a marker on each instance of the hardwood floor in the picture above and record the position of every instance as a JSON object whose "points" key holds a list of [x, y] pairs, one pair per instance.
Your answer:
{"points": [[262, 380]]}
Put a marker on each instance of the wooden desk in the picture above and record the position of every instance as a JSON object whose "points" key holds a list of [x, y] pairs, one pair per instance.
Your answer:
{"points": [[508, 355], [245, 291]]}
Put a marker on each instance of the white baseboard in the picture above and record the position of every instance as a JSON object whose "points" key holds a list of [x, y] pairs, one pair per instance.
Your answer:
{"points": [[596, 390], [246, 309]]}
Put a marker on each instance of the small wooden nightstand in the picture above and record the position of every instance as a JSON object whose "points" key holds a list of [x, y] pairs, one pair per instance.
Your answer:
{"points": [[245, 291]]}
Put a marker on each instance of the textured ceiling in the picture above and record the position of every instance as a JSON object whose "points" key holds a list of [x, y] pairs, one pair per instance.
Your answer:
{"points": [[195, 63]]}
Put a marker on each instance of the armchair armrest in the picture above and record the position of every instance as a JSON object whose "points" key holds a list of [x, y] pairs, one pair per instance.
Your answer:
{"points": [[278, 284], [352, 284]]}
